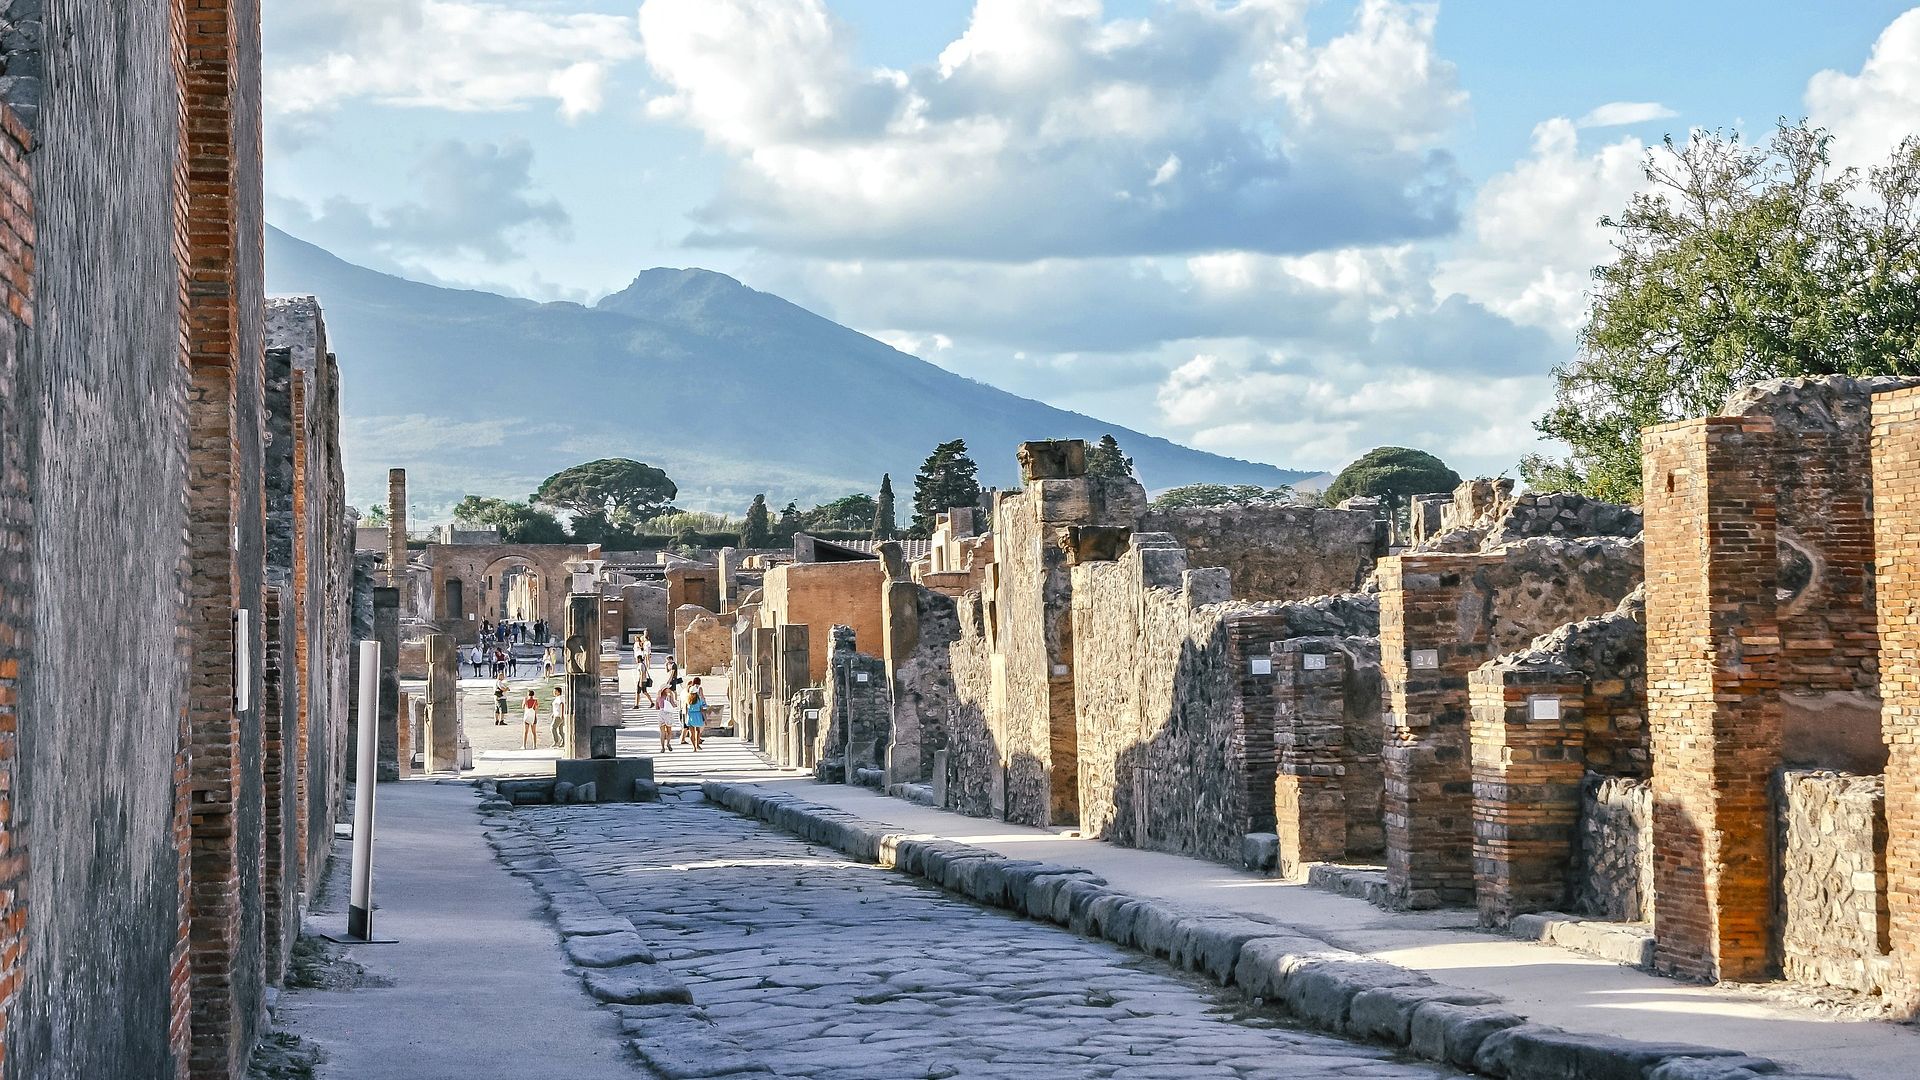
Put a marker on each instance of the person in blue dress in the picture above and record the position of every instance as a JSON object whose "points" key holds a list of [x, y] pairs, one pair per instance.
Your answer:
{"points": [[696, 711]]}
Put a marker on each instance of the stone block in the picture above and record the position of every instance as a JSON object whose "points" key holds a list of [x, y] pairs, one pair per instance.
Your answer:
{"points": [[1260, 852], [1453, 1033], [1052, 459], [608, 775], [637, 984], [1537, 1050], [1385, 1013], [608, 950], [601, 742], [1094, 543]]}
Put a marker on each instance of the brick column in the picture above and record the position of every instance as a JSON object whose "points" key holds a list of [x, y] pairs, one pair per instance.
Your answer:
{"points": [[386, 630], [1528, 739], [397, 528], [1713, 644], [1310, 736], [1427, 651], [442, 742], [1896, 502], [306, 617], [16, 521]]}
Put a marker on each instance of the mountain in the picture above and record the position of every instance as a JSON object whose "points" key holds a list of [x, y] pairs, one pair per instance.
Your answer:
{"points": [[730, 390]]}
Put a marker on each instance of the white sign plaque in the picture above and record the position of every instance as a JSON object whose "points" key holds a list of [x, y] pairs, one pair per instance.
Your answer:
{"points": [[1426, 658], [1260, 665], [1313, 661], [1543, 707], [859, 676]]}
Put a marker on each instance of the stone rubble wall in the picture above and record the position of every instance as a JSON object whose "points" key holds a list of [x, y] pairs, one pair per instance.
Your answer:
{"points": [[922, 627], [1485, 514], [1613, 867], [1833, 830], [1274, 552]]}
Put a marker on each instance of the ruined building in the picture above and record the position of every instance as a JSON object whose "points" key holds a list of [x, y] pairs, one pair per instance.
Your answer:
{"points": [[176, 559]]}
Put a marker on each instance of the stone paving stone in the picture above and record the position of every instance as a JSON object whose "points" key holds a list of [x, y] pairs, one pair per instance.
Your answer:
{"points": [[831, 970]]}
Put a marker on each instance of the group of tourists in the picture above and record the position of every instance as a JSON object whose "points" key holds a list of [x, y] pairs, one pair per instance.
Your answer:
{"points": [[530, 714], [682, 714], [513, 631]]}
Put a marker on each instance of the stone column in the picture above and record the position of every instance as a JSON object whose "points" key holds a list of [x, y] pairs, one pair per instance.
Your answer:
{"points": [[386, 630], [1529, 758], [397, 528], [1896, 502], [789, 678], [1713, 709], [441, 746], [1427, 651], [766, 708], [583, 670], [1310, 735]]}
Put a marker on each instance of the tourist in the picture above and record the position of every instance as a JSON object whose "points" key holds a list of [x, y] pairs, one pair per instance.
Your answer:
{"points": [[559, 717], [478, 659], [642, 653], [696, 711], [530, 722], [665, 718], [499, 702], [669, 705]]}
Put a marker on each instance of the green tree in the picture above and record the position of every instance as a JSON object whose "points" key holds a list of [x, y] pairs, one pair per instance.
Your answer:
{"points": [[758, 532], [621, 490], [849, 512], [788, 525], [948, 478], [1106, 460], [518, 522], [884, 527], [375, 517], [1192, 495], [1391, 474], [1741, 263]]}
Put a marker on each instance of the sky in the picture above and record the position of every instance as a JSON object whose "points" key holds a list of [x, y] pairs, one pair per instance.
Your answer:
{"points": [[1282, 230]]}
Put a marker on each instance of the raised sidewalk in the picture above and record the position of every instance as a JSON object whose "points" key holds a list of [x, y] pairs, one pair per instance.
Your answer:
{"points": [[1545, 984]]}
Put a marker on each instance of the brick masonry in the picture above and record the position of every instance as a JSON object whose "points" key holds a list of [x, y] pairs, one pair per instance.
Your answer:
{"points": [[1713, 651], [1896, 497]]}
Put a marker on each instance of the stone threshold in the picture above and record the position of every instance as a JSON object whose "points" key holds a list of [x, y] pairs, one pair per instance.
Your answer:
{"points": [[1622, 942], [1327, 988]]}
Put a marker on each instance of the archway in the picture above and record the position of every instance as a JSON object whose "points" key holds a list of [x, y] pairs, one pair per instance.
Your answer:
{"points": [[515, 590]]}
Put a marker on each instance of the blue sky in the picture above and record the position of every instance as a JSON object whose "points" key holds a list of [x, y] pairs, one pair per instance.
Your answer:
{"points": [[1277, 229]]}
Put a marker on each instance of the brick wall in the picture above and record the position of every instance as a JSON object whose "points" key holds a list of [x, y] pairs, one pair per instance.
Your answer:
{"points": [[1528, 749], [1329, 783], [16, 523], [1713, 645], [1896, 499], [822, 596]]}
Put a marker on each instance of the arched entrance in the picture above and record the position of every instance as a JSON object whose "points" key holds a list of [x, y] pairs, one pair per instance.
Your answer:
{"points": [[515, 590]]}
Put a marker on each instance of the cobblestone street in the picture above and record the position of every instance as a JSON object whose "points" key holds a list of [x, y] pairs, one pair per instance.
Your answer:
{"points": [[830, 969]]}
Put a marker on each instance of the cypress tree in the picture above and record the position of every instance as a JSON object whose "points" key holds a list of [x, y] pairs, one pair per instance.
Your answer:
{"points": [[758, 532], [883, 523]]}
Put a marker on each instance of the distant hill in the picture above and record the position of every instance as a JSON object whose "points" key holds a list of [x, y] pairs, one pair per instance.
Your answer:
{"points": [[730, 390]]}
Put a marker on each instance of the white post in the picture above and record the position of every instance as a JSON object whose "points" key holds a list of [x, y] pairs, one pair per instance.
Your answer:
{"points": [[360, 898]]}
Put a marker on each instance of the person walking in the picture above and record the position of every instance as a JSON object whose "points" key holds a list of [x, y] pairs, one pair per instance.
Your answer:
{"points": [[669, 705], [499, 702], [559, 717], [530, 722], [696, 711], [661, 715]]}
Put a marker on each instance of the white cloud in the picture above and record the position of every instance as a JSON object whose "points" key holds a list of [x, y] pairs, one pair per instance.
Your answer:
{"points": [[1871, 112], [1047, 129], [464, 55], [476, 202], [1622, 113], [1533, 231]]}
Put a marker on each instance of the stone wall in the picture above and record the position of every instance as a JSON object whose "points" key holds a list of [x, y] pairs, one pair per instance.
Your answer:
{"points": [[645, 608], [1485, 514], [921, 627], [1833, 830], [821, 596], [1613, 864], [1896, 500], [480, 571], [705, 646], [1275, 552]]}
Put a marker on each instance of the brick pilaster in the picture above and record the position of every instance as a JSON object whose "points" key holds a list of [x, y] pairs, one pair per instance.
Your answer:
{"points": [[1713, 648], [1896, 501], [1310, 736], [16, 522], [1528, 740], [1427, 651]]}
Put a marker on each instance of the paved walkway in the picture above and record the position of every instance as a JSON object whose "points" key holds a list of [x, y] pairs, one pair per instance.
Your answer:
{"points": [[476, 983], [1543, 982]]}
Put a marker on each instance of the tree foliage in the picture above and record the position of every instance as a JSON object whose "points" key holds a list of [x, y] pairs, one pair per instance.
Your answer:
{"points": [[1106, 460], [620, 490], [948, 478], [848, 512], [1192, 495], [518, 522], [375, 517], [1392, 473], [1741, 263], [758, 532], [884, 526], [788, 526]]}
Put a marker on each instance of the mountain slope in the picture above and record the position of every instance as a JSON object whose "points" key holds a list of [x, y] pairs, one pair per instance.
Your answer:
{"points": [[730, 390]]}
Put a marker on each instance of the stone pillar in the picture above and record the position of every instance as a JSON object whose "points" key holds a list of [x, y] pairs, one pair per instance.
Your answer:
{"points": [[397, 528], [583, 670], [728, 573], [765, 710], [441, 746], [1427, 651], [1529, 758], [410, 714], [1896, 502], [386, 630], [861, 713], [1713, 644], [789, 678], [1310, 736]]}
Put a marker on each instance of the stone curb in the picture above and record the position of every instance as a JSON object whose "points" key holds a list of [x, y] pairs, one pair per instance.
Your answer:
{"points": [[665, 1028], [1339, 992]]}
